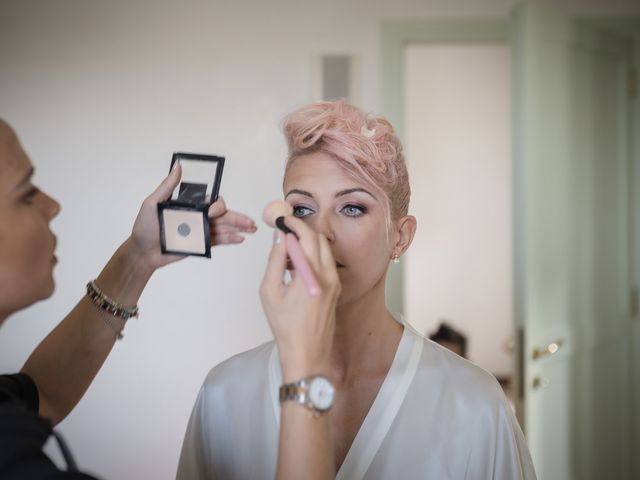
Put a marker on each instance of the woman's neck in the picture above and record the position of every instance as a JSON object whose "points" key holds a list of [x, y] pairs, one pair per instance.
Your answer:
{"points": [[366, 337]]}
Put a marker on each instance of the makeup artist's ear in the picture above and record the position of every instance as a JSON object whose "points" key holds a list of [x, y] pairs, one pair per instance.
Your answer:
{"points": [[164, 190], [405, 229]]}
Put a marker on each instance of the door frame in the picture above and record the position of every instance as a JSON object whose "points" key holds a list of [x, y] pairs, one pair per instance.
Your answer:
{"points": [[630, 27]]}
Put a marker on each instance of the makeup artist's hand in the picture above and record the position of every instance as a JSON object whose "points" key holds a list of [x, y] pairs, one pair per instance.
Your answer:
{"points": [[226, 225], [302, 325]]}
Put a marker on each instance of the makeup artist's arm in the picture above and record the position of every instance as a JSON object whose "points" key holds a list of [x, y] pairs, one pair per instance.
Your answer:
{"points": [[303, 327], [67, 360]]}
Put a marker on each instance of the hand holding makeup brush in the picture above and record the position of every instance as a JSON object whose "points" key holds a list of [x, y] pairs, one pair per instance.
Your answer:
{"points": [[274, 215], [302, 321]]}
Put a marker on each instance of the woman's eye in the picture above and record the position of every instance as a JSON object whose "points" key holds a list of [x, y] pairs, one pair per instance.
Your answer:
{"points": [[353, 210], [30, 195], [300, 211]]}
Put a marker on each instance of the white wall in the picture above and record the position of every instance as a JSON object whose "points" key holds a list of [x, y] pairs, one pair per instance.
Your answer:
{"points": [[458, 128], [101, 93]]}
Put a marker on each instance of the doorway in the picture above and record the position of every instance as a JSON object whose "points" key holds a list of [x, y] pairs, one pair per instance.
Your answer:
{"points": [[458, 272], [577, 333]]}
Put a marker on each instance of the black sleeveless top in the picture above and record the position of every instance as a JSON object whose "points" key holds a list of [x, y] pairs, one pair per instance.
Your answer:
{"points": [[23, 433]]}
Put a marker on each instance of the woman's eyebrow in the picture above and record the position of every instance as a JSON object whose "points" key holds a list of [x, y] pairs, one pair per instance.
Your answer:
{"points": [[352, 190], [339, 194], [301, 192], [25, 178]]}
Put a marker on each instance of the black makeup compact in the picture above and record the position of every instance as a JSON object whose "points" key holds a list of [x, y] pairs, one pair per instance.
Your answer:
{"points": [[183, 218]]}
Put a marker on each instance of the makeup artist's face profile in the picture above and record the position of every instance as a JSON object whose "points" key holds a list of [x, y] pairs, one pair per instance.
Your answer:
{"points": [[348, 213], [26, 242]]}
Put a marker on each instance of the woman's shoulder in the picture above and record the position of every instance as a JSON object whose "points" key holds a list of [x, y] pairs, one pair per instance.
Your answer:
{"points": [[457, 376], [242, 368]]}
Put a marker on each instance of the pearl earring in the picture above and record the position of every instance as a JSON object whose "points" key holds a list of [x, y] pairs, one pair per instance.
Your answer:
{"points": [[396, 258]]}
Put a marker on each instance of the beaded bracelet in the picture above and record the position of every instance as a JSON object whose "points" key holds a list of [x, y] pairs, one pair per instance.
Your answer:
{"points": [[107, 305]]}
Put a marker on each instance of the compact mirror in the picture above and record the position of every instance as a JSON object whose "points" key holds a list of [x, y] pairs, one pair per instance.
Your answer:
{"points": [[183, 218], [200, 181]]}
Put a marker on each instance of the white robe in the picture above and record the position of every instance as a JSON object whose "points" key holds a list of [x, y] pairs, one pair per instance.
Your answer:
{"points": [[436, 416]]}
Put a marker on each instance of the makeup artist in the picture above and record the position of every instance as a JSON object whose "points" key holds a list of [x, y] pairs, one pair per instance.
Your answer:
{"points": [[59, 371]]}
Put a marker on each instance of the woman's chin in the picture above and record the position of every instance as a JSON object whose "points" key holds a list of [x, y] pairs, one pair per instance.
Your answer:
{"points": [[346, 297], [49, 288]]}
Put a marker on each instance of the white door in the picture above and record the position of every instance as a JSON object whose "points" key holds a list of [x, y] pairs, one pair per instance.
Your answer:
{"points": [[572, 164]]}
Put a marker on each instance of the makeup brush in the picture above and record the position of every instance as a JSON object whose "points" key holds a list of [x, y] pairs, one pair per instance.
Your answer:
{"points": [[273, 215]]}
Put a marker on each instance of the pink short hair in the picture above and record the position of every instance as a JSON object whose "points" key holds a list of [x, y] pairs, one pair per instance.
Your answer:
{"points": [[366, 146]]}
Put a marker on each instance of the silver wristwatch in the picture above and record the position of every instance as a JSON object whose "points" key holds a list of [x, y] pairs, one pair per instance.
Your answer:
{"points": [[316, 393]]}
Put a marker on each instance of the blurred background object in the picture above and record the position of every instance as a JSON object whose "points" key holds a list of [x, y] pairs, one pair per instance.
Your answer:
{"points": [[451, 339]]}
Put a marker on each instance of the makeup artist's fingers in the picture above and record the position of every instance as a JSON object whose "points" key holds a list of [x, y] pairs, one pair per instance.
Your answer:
{"points": [[144, 234], [226, 239], [308, 239], [163, 192], [220, 229], [272, 287], [222, 234], [239, 221], [217, 208]]}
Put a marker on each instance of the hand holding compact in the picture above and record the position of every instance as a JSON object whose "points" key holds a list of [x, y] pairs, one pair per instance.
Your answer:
{"points": [[226, 226]]}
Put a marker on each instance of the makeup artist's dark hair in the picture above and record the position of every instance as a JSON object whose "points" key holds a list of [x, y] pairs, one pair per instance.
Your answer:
{"points": [[446, 333]]}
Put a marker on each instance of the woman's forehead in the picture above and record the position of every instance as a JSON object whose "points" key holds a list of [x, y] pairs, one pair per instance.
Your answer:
{"points": [[325, 178], [13, 160], [319, 170]]}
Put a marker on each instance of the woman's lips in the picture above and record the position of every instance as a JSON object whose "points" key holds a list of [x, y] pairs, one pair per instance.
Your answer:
{"points": [[55, 244]]}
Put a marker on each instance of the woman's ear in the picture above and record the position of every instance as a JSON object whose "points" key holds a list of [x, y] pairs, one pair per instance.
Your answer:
{"points": [[405, 230]]}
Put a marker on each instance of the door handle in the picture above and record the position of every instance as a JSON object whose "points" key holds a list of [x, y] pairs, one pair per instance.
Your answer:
{"points": [[538, 382], [540, 352]]}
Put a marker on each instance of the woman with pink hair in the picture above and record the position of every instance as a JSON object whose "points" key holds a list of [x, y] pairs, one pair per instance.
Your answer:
{"points": [[376, 399]]}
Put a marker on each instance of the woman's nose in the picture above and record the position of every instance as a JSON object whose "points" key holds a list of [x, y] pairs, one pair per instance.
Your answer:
{"points": [[50, 207], [324, 226]]}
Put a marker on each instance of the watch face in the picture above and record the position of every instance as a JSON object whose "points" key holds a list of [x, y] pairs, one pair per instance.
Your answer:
{"points": [[321, 393]]}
